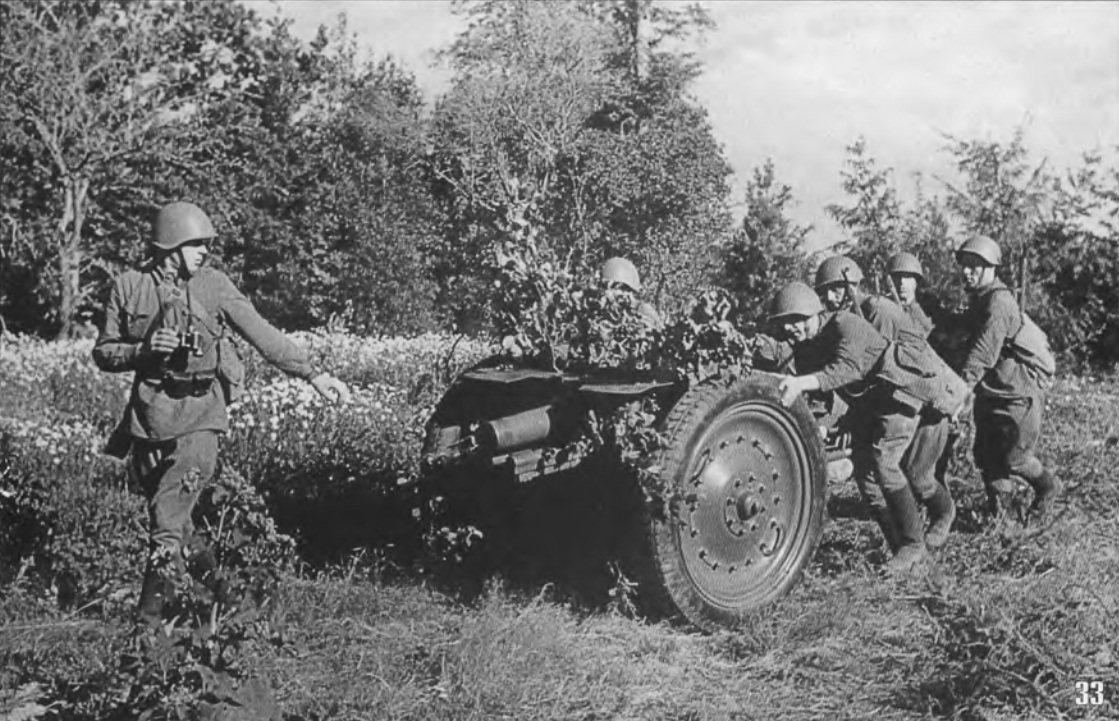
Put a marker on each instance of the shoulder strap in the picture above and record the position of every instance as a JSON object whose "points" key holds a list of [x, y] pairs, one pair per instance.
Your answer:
{"points": [[198, 310]]}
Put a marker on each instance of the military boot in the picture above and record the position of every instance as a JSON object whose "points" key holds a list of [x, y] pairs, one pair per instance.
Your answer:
{"points": [[942, 512], [1047, 489], [155, 592], [911, 552], [885, 521], [1002, 498]]}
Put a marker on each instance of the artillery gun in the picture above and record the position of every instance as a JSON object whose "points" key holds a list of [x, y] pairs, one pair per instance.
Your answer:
{"points": [[748, 475]]}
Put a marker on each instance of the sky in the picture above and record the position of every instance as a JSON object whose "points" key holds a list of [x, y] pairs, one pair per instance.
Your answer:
{"points": [[796, 81]]}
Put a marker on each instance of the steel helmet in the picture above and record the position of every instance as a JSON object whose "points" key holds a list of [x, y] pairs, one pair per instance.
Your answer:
{"points": [[982, 247], [179, 223], [838, 269], [905, 263], [797, 299], [621, 270]]}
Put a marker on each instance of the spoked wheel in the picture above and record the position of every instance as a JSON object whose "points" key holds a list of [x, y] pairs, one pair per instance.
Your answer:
{"points": [[749, 477]]}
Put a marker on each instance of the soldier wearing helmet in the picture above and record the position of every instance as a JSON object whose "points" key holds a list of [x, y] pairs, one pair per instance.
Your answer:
{"points": [[842, 352], [838, 281], [168, 322], [621, 274], [1008, 396], [905, 274]]}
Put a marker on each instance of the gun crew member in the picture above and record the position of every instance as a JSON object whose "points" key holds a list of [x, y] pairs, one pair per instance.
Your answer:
{"points": [[905, 275], [841, 351], [838, 282], [1009, 395]]}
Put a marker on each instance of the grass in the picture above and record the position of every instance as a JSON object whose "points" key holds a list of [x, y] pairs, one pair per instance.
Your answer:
{"points": [[1003, 627]]}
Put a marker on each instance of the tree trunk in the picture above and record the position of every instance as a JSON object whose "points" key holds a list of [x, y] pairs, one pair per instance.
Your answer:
{"points": [[70, 252], [639, 38]]}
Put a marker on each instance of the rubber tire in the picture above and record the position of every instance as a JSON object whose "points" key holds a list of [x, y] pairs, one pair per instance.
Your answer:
{"points": [[673, 577]]}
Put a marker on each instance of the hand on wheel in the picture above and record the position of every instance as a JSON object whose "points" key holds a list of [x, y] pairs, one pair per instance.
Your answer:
{"points": [[790, 388]]}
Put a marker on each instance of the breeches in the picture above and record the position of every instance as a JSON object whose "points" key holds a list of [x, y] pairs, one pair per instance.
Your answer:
{"points": [[924, 453], [172, 474], [878, 449], [1006, 433]]}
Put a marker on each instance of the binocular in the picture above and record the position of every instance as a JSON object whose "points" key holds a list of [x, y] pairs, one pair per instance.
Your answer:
{"points": [[191, 341]]}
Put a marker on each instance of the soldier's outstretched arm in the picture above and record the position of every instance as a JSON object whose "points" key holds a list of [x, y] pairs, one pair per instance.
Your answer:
{"points": [[276, 347]]}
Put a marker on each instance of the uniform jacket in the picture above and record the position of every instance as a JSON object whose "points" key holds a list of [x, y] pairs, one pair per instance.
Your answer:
{"points": [[919, 318], [890, 319], [992, 320], [911, 364], [843, 355], [144, 301]]}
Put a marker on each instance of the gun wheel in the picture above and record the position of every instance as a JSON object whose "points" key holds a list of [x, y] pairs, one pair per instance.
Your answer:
{"points": [[748, 478]]}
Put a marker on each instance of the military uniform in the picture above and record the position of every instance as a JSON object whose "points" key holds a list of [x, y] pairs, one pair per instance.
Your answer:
{"points": [[1008, 397], [922, 459], [850, 356], [919, 318], [177, 407], [844, 356]]}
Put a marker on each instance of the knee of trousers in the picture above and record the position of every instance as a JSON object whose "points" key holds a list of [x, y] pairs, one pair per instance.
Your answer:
{"points": [[1028, 467], [889, 453]]}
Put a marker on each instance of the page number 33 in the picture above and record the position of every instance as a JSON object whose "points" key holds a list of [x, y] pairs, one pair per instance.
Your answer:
{"points": [[1089, 693]]}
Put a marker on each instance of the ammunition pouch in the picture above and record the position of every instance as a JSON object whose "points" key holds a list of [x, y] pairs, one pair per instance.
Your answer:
{"points": [[923, 375], [119, 443], [181, 385], [230, 370]]}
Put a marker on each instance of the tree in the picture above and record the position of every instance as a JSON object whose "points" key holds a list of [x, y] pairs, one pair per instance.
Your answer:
{"points": [[549, 135], [1004, 196], [84, 93], [1076, 252], [768, 250], [873, 219]]}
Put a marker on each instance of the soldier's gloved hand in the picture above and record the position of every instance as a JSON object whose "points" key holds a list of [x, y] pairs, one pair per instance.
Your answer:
{"points": [[331, 388], [162, 342]]}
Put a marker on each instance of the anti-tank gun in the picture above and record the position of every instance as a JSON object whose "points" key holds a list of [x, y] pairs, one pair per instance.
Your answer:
{"points": [[735, 481]]}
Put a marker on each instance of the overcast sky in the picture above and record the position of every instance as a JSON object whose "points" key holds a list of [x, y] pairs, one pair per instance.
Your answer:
{"points": [[798, 81]]}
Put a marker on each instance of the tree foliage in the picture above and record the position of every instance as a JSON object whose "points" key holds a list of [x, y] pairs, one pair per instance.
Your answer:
{"points": [[548, 133], [873, 219], [308, 159], [768, 250]]}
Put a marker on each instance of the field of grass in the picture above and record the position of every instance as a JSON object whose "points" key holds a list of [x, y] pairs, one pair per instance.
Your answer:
{"points": [[392, 615]]}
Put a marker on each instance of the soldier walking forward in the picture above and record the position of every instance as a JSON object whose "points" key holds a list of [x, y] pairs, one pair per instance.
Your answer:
{"points": [[1009, 395], [842, 351], [167, 323], [838, 282]]}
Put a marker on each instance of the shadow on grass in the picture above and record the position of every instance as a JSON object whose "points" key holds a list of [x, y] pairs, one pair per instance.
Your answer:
{"points": [[575, 533]]}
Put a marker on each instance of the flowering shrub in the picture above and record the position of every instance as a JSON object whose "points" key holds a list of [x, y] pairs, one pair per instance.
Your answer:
{"points": [[67, 521], [297, 474], [58, 381]]}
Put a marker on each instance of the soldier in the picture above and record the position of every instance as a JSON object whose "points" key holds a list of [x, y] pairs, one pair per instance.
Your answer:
{"points": [[837, 282], [167, 322], [621, 273], [1008, 393], [905, 273], [843, 352]]}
